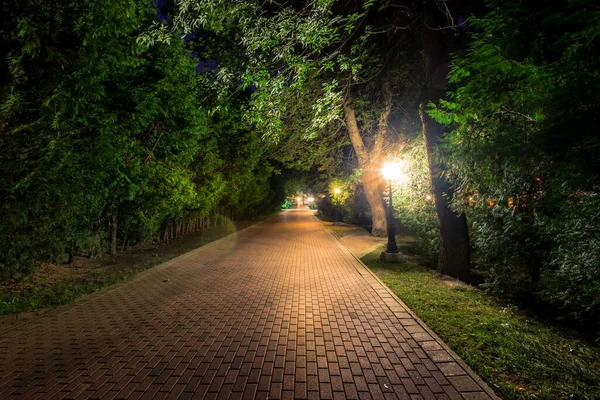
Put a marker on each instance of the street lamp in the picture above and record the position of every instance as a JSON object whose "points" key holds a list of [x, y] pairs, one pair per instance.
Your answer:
{"points": [[392, 170], [336, 191]]}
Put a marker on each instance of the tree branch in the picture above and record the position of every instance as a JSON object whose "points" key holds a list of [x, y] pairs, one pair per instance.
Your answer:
{"points": [[382, 126], [354, 133], [149, 154]]}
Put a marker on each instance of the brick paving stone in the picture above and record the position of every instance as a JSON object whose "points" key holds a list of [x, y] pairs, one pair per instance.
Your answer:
{"points": [[279, 310]]}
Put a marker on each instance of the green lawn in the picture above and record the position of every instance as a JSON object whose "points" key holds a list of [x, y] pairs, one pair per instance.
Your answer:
{"points": [[519, 357]]}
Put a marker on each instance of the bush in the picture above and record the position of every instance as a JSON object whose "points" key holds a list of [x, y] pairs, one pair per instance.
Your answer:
{"points": [[287, 204]]}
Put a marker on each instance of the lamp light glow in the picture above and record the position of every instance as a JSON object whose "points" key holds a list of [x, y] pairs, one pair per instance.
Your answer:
{"points": [[336, 190], [395, 171]]}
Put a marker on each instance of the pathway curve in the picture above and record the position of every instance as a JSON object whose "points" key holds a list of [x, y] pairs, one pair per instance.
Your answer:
{"points": [[279, 310]]}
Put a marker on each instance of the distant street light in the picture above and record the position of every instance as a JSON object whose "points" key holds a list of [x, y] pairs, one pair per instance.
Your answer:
{"points": [[392, 171]]}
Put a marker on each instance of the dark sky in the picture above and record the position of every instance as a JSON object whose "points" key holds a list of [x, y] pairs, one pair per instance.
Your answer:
{"points": [[162, 9]]}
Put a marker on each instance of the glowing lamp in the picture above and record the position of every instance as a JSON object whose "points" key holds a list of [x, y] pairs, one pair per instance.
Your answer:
{"points": [[394, 171]]}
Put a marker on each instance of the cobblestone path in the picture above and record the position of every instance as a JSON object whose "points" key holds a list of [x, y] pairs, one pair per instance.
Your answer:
{"points": [[279, 310]]}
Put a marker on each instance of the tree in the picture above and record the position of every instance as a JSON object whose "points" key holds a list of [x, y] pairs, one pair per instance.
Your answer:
{"points": [[108, 135], [523, 147], [370, 160]]}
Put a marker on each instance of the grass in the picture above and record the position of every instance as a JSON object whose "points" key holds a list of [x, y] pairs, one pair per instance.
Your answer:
{"points": [[519, 357], [54, 285], [341, 230]]}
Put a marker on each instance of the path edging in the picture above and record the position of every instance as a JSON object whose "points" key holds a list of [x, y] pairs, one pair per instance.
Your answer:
{"points": [[421, 323]]}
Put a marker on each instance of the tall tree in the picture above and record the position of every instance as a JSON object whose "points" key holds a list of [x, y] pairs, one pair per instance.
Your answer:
{"points": [[371, 160]]}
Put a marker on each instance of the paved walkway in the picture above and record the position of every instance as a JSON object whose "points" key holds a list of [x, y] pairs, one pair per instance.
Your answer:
{"points": [[280, 310]]}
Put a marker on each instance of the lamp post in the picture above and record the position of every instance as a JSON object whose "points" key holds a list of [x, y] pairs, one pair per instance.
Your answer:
{"points": [[391, 253], [336, 191], [392, 247]]}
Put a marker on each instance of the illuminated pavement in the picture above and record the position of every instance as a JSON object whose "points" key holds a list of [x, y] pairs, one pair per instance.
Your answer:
{"points": [[280, 310]]}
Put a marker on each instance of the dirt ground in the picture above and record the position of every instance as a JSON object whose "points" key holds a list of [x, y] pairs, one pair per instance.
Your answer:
{"points": [[105, 270]]}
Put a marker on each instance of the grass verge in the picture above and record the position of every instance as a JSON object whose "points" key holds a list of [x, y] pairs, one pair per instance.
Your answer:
{"points": [[519, 357], [340, 230], [54, 285]]}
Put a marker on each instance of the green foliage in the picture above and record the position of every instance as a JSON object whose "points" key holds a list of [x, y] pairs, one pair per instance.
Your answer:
{"points": [[98, 121], [345, 199], [287, 204], [524, 151], [413, 202]]}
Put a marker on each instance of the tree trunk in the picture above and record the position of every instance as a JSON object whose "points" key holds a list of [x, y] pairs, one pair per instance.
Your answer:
{"points": [[371, 175], [455, 251], [371, 184], [113, 235], [71, 254], [166, 232]]}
